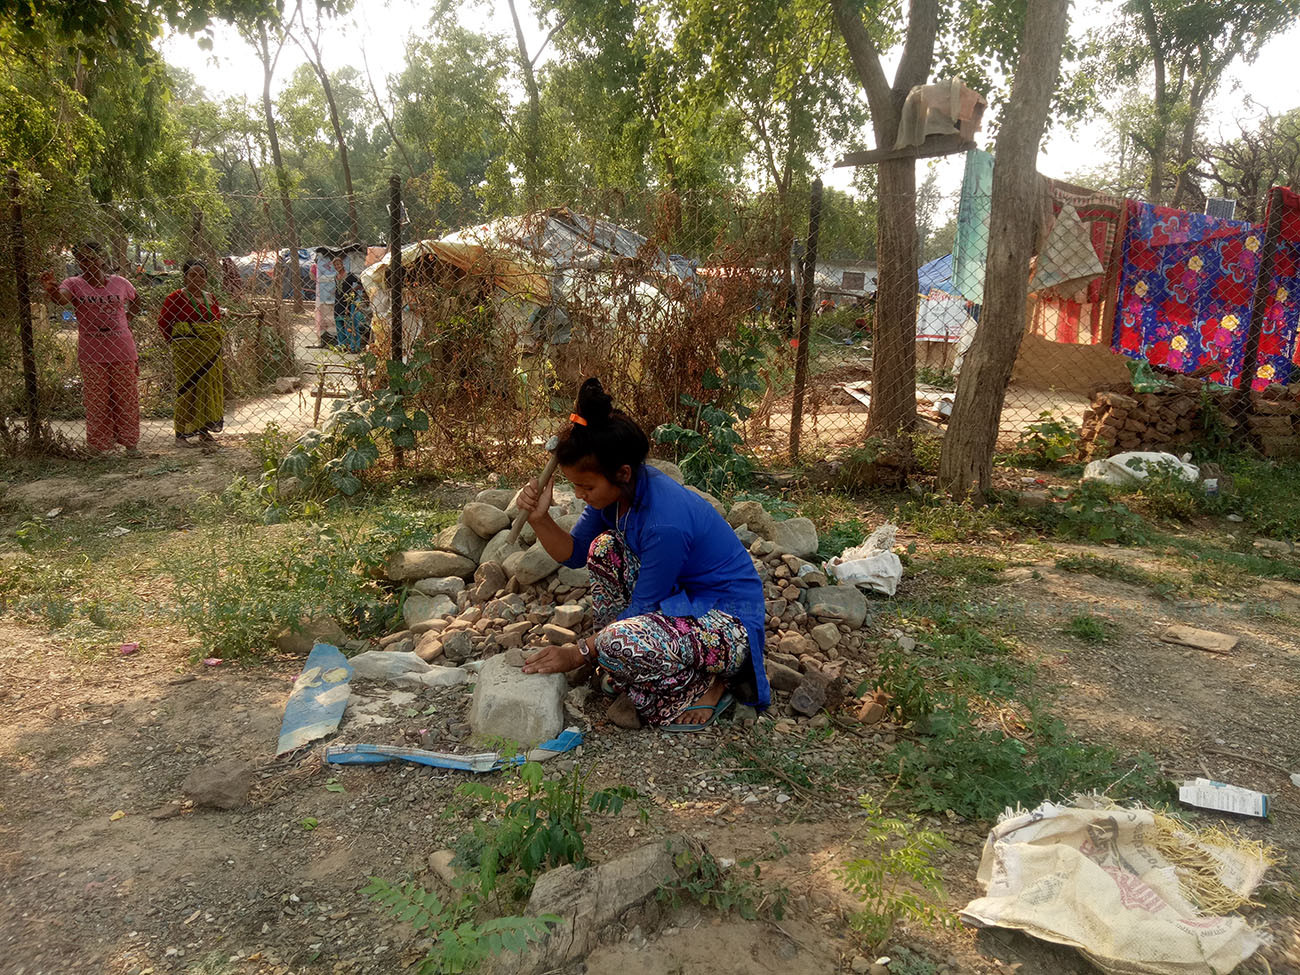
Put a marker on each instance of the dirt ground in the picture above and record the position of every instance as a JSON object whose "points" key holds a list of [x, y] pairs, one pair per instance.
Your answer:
{"points": [[104, 868]]}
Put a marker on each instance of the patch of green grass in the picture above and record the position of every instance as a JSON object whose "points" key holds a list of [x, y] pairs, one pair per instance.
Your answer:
{"points": [[236, 585], [971, 570], [1163, 584], [1265, 496], [840, 535], [977, 771], [1236, 563], [1092, 630], [942, 520]]}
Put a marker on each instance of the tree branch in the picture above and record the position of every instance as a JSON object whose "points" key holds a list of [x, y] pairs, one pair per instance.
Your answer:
{"points": [[554, 30], [864, 54], [918, 48]]}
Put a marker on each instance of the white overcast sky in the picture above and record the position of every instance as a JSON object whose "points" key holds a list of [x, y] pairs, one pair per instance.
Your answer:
{"points": [[382, 27]]}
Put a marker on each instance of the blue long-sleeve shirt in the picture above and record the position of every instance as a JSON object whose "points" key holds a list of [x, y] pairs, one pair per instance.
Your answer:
{"points": [[691, 561]]}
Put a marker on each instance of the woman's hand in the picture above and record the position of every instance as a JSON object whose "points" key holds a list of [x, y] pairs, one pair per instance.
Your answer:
{"points": [[555, 660], [536, 501]]}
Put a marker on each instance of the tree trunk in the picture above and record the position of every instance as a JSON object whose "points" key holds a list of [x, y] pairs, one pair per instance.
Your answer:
{"points": [[893, 368], [893, 349], [1156, 184], [353, 224], [318, 65], [966, 463], [532, 117], [281, 176]]}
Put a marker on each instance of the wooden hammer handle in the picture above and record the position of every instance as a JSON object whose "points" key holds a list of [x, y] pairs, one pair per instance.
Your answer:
{"points": [[547, 473]]}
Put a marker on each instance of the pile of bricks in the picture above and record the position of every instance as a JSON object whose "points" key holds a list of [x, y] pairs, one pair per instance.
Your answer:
{"points": [[1121, 419], [1274, 420]]}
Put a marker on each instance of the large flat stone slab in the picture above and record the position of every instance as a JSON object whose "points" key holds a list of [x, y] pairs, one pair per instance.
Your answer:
{"points": [[1207, 640], [837, 603], [523, 708]]}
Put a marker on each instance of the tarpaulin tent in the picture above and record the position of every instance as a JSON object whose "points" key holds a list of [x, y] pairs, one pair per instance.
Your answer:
{"points": [[535, 261]]}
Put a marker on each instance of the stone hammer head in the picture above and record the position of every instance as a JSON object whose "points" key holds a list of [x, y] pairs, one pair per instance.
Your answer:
{"points": [[551, 443]]}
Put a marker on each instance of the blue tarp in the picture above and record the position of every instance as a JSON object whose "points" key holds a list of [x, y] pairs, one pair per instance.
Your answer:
{"points": [[936, 274], [319, 696]]}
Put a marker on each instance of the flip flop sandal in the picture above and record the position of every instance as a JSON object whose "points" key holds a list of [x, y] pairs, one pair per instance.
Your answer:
{"points": [[606, 683], [717, 710]]}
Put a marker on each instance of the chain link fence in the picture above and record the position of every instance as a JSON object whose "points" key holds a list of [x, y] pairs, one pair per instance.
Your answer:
{"points": [[694, 309]]}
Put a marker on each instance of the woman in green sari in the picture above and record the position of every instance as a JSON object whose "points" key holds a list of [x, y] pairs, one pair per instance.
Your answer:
{"points": [[190, 322]]}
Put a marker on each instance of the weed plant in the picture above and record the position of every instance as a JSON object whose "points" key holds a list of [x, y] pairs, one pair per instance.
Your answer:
{"points": [[1088, 629], [895, 879], [519, 836]]}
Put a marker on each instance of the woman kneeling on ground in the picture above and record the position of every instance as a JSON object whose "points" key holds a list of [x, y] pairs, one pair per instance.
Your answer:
{"points": [[678, 605]]}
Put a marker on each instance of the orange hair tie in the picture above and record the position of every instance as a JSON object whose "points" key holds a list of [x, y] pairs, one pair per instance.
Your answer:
{"points": [[573, 417]]}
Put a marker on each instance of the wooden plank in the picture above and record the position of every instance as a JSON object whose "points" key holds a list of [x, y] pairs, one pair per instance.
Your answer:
{"points": [[935, 145]]}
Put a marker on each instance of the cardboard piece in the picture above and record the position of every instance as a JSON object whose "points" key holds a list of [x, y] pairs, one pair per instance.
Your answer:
{"points": [[1207, 640]]}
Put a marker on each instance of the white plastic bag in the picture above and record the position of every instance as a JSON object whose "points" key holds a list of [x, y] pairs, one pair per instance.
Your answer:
{"points": [[1132, 467], [872, 564]]}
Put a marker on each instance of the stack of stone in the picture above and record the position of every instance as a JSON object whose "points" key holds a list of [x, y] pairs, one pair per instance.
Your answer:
{"points": [[1124, 420], [474, 596], [1273, 420]]}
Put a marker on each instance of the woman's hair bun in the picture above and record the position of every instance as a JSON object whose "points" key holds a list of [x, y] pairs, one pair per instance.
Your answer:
{"points": [[594, 404]]}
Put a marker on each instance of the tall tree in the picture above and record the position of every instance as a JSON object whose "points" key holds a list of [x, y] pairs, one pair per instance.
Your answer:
{"points": [[308, 40], [532, 125], [966, 463], [893, 387], [269, 44], [1187, 47], [1244, 167]]}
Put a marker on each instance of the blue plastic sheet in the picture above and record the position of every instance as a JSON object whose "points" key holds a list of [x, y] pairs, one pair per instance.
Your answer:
{"points": [[319, 696], [477, 762]]}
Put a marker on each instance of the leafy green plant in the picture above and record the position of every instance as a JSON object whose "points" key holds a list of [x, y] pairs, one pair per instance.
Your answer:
{"points": [[905, 962], [1088, 629], [545, 826], [939, 519], [841, 535], [707, 451], [895, 879], [956, 657], [327, 462], [938, 378], [237, 587], [517, 837], [1046, 441], [703, 879], [460, 944], [1091, 512], [977, 771]]}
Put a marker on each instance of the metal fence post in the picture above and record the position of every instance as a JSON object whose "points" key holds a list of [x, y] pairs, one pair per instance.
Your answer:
{"points": [[24, 298], [395, 263], [395, 274], [805, 317], [1259, 302]]}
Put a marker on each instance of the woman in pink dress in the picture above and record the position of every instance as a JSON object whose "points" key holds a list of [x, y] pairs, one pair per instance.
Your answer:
{"points": [[106, 352]]}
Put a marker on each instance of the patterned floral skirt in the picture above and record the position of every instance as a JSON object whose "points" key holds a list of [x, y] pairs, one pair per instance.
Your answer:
{"points": [[663, 663]]}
